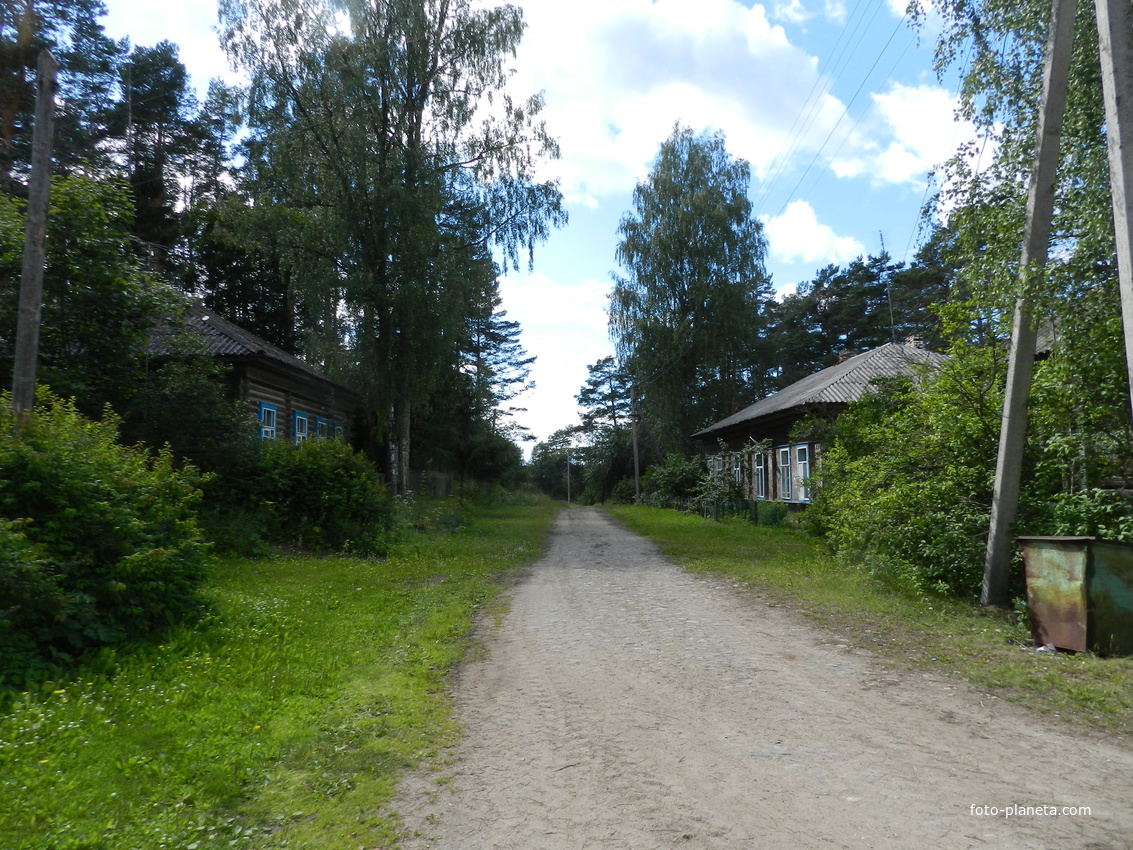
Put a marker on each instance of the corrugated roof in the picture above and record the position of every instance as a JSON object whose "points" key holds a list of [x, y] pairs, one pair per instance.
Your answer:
{"points": [[840, 384]]}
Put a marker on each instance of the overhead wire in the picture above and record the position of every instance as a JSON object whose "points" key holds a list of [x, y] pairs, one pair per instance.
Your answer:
{"points": [[807, 112], [845, 111], [811, 109]]}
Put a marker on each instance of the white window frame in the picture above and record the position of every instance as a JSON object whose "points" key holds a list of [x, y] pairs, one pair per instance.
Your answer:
{"points": [[302, 426], [802, 471], [785, 477], [339, 431], [759, 475], [321, 428], [269, 421]]}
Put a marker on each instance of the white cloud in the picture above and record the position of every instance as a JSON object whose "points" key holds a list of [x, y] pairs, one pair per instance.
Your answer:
{"points": [[920, 123], [564, 326], [836, 12], [618, 74], [190, 24], [793, 11], [797, 236]]}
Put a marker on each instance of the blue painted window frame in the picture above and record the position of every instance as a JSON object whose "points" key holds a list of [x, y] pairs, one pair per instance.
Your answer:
{"points": [[306, 432], [802, 471], [264, 407]]}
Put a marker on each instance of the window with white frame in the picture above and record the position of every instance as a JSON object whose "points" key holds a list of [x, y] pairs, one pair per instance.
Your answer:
{"points": [[759, 475], [268, 416], [738, 468], [785, 473], [301, 429], [321, 428], [802, 472], [339, 431]]}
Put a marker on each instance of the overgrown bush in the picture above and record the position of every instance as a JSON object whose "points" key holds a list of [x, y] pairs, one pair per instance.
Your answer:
{"points": [[98, 541], [678, 478], [772, 514], [319, 496], [906, 488]]}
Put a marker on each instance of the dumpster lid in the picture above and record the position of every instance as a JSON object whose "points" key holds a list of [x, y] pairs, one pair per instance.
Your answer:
{"points": [[1056, 538], [1071, 539]]}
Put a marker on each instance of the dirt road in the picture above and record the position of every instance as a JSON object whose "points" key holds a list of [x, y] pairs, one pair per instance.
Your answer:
{"points": [[624, 703]]}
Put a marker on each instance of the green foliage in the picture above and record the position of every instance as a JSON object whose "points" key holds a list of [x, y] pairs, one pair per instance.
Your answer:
{"points": [[323, 496], [848, 310], [678, 478], [283, 720], [98, 307], [717, 483], [906, 489], [771, 514], [393, 158], [181, 403], [687, 316], [104, 547], [549, 463]]}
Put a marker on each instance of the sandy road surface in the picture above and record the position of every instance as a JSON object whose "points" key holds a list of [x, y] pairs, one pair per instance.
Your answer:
{"points": [[626, 704]]}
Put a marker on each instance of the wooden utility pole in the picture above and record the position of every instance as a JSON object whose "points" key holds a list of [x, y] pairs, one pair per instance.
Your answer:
{"points": [[1040, 209], [31, 281], [1115, 44]]}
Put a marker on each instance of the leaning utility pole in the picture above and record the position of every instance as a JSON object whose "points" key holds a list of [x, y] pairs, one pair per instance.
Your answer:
{"points": [[31, 281], [1040, 210], [1115, 44]]}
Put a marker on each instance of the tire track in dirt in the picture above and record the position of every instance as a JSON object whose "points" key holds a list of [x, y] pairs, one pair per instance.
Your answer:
{"points": [[624, 703]]}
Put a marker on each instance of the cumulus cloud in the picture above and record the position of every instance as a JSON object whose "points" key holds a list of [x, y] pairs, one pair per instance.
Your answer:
{"points": [[618, 74], [797, 236], [919, 122], [190, 24], [564, 326]]}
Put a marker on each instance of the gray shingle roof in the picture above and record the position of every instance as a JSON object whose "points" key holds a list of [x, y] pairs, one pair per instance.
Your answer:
{"points": [[840, 384], [224, 339]]}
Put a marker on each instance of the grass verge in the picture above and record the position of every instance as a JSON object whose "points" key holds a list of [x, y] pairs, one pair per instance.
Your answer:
{"points": [[987, 648], [283, 720]]}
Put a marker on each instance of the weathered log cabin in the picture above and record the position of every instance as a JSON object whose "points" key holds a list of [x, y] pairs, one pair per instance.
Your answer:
{"points": [[291, 399], [760, 451]]}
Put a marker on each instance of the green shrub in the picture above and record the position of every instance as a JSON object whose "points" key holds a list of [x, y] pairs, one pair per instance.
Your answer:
{"points": [[325, 497], [679, 478], [99, 542], [906, 488], [771, 513]]}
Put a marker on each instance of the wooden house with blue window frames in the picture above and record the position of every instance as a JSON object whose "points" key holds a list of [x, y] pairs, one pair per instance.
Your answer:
{"points": [[292, 399], [783, 473]]}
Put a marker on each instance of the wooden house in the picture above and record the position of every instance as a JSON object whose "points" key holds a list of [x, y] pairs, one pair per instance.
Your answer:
{"points": [[291, 399], [774, 467]]}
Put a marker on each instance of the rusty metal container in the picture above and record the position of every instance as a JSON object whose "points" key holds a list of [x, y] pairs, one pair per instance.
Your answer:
{"points": [[1080, 593]]}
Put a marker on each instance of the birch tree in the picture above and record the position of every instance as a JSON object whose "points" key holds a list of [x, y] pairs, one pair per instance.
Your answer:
{"points": [[686, 316], [388, 132]]}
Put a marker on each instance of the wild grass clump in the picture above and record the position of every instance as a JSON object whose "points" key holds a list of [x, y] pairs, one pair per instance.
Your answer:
{"points": [[283, 720]]}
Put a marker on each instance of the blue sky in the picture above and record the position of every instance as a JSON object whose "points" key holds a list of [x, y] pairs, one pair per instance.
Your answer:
{"points": [[833, 102]]}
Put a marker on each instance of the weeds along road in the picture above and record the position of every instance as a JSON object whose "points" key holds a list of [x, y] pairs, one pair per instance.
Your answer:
{"points": [[624, 703]]}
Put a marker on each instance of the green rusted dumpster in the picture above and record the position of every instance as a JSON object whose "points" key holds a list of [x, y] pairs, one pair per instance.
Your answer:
{"points": [[1080, 593]]}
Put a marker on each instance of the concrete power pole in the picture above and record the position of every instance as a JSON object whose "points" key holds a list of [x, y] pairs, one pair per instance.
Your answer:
{"points": [[1115, 44], [1040, 209], [31, 282]]}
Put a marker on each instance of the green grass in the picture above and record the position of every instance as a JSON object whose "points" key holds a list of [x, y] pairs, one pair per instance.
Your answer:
{"points": [[283, 720], [988, 648]]}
